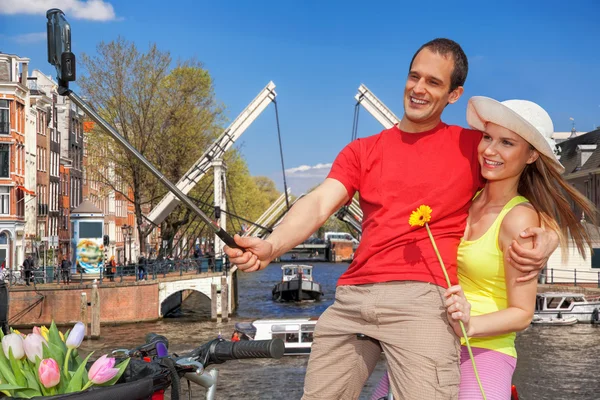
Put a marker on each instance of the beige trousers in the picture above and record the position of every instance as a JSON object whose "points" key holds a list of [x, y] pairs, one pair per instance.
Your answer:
{"points": [[409, 321]]}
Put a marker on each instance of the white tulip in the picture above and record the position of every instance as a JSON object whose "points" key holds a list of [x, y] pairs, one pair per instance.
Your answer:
{"points": [[14, 342]]}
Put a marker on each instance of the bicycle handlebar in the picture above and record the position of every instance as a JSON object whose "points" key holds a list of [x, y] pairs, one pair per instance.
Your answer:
{"points": [[216, 351], [223, 350], [191, 365]]}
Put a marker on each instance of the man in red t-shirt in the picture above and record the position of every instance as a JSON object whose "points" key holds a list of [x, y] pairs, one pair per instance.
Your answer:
{"points": [[392, 290]]}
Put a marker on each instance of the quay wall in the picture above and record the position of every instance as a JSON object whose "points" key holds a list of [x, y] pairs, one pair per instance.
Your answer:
{"points": [[133, 302], [586, 289]]}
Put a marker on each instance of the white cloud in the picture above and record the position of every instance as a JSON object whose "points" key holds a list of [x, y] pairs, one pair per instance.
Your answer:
{"points": [[95, 10], [302, 178], [307, 170], [26, 38]]}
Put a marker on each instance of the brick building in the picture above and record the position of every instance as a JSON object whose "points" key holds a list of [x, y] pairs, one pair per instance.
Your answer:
{"points": [[53, 135], [118, 211], [14, 98]]}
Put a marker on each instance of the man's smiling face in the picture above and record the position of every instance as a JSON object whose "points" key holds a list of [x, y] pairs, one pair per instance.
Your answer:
{"points": [[427, 89]]}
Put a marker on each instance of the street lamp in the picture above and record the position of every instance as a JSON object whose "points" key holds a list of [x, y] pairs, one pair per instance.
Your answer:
{"points": [[127, 233]]}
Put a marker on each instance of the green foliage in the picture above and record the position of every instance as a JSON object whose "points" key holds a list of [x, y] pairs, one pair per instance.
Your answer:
{"points": [[166, 110], [76, 382]]}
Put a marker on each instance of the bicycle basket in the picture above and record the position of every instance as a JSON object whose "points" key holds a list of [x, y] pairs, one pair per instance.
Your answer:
{"points": [[139, 382]]}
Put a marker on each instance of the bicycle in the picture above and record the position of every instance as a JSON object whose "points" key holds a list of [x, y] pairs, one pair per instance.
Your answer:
{"points": [[160, 370], [17, 277]]}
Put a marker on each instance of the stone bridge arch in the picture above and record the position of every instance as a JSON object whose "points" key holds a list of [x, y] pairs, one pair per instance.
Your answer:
{"points": [[201, 285]]}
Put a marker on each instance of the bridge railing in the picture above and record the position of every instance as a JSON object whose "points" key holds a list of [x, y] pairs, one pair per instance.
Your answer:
{"points": [[151, 270], [155, 269]]}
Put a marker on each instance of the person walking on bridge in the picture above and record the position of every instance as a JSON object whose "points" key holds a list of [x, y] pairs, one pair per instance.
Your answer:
{"points": [[393, 289]]}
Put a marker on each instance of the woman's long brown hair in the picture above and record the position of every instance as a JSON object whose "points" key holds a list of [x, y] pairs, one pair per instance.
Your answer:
{"points": [[550, 195]]}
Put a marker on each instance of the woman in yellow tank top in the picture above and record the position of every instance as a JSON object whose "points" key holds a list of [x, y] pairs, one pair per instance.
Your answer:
{"points": [[524, 188]]}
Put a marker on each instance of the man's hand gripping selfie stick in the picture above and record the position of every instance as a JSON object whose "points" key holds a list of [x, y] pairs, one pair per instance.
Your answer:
{"points": [[59, 55]]}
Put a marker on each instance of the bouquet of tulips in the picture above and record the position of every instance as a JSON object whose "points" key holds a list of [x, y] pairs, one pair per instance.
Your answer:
{"points": [[43, 363]]}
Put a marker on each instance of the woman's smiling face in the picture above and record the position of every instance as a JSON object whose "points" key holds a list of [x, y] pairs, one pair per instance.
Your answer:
{"points": [[503, 154]]}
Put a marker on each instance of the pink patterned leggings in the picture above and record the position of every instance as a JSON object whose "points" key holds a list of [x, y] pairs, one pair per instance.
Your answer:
{"points": [[495, 371]]}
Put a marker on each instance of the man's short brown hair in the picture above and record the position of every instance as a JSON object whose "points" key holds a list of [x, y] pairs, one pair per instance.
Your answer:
{"points": [[445, 47]]}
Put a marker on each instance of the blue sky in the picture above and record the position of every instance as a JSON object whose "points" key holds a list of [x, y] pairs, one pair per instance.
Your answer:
{"points": [[319, 52]]}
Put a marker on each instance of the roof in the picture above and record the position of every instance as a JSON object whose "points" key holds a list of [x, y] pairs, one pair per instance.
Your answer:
{"points": [[570, 153], [565, 135], [86, 207]]}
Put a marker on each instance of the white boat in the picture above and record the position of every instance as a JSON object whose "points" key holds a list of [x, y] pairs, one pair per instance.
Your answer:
{"points": [[297, 333], [575, 305], [297, 284], [554, 320]]}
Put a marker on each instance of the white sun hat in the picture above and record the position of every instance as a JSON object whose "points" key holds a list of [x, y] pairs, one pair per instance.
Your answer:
{"points": [[525, 118]]}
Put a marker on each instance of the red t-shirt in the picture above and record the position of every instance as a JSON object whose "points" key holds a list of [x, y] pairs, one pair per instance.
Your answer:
{"points": [[395, 172]]}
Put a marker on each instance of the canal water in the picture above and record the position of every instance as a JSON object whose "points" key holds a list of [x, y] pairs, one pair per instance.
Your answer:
{"points": [[555, 363]]}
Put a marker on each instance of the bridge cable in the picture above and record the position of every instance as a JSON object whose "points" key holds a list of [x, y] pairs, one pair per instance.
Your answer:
{"points": [[355, 120], [287, 203], [229, 201], [193, 219], [194, 235], [187, 227], [228, 189], [235, 216], [189, 224]]}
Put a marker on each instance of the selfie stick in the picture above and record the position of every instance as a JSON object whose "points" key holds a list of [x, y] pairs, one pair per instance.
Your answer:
{"points": [[65, 66]]}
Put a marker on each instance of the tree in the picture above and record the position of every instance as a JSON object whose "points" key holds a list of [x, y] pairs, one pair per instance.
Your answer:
{"points": [[168, 113], [267, 187]]}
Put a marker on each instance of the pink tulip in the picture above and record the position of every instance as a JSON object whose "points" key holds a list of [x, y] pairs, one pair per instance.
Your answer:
{"points": [[49, 373], [102, 370], [34, 347]]}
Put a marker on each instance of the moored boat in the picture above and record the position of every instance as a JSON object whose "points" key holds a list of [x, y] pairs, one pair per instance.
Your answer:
{"points": [[559, 320], [567, 304], [297, 333], [297, 284]]}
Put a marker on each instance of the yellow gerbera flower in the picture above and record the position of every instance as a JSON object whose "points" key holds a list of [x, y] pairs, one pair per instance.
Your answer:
{"points": [[420, 216]]}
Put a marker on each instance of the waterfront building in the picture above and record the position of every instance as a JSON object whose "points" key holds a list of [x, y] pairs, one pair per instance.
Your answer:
{"points": [[580, 156], [14, 99], [51, 176]]}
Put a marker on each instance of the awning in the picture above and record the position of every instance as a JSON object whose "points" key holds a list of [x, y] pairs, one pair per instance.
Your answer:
{"points": [[23, 188]]}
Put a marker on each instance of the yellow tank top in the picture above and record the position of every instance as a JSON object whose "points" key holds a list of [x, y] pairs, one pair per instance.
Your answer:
{"points": [[481, 275]]}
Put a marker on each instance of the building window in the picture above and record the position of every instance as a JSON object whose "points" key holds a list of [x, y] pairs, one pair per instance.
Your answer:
{"points": [[4, 160], [20, 203], [4, 200], [596, 258], [4, 117]]}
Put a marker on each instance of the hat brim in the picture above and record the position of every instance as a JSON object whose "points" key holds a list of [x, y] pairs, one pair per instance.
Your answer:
{"points": [[481, 110]]}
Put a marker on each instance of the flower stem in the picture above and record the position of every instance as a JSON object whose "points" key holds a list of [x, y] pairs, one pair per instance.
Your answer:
{"points": [[462, 326], [87, 385], [67, 358]]}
